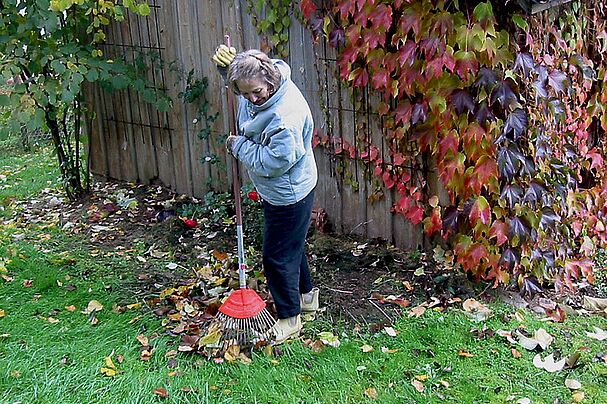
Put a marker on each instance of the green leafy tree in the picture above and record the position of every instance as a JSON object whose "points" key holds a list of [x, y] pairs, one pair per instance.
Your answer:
{"points": [[50, 49]]}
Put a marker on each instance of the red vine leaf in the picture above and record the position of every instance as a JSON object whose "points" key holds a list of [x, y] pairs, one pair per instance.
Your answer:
{"points": [[307, 8], [449, 142], [480, 211], [415, 214], [407, 53], [486, 170], [466, 64], [433, 223], [359, 77], [443, 24], [499, 230], [381, 17], [410, 21]]}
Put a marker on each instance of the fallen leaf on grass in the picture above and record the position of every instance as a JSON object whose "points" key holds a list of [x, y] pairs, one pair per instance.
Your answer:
{"points": [[92, 307], [573, 384], [598, 333], [388, 350], [465, 354], [371, 392], [549, 363], [578, 397], [419, 386], [594, 303], [328, 338], [2, 313], [52, 320], [70, 308], [516, 354], [109, 369], [417, 311], [162, 392], [540, 338], [143, 340], [365, 348], [390, 331], [28, 283], [211, 339], [476, 310]]}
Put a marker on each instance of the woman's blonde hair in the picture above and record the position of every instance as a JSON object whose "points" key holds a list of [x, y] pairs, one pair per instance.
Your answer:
{"points": [[253, 64]]}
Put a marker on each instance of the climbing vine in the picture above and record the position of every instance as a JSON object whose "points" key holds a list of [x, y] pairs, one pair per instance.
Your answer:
{"points": [[272, 19], [508, 115]]}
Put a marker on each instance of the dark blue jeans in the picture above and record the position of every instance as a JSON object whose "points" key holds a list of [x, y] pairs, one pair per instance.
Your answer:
{"points": [[284, 258]]}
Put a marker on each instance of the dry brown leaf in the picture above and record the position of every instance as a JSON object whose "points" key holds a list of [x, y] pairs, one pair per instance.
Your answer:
{"points": [[419, 386], [465, 354], [594, 303], [515, 353], [371, 392], [417, 311], [162, 392], [143, 340], [366, 348], [476, 310], [388, 350], [70, 308]]}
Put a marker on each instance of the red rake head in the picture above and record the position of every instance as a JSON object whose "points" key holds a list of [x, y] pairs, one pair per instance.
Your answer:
{"points": [[243, 303]]}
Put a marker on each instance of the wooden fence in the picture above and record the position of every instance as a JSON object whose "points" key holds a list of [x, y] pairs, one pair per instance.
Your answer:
{"points": [[132, 141]]}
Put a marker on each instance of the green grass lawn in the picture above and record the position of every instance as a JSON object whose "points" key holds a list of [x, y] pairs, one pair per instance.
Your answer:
{"points": [[51, 352]]}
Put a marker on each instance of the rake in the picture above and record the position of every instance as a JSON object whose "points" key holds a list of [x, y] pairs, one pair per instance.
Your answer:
{"points": [[243, 318]]}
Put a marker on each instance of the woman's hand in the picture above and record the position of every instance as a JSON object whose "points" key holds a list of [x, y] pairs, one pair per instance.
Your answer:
{"points": [[229, 141]]}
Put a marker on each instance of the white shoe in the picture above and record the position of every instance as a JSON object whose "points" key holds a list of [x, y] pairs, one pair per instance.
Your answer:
{"points": [[309, 301], [286, 328]]}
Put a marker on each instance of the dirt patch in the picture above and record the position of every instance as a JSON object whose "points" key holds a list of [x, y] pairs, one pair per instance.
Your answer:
{"points": [[363, 282]]}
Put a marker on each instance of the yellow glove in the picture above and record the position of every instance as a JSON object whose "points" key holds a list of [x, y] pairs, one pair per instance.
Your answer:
{"points": [[223, 55]]}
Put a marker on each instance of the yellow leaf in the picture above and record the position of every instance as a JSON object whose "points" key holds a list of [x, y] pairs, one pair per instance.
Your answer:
{"points": [[2, 313], [371, 392], [366, 348], [109, 372], [92, 307], [133, 306], [212, 338], [465, 354], [578, 397], [109, 363], [422, 378]]}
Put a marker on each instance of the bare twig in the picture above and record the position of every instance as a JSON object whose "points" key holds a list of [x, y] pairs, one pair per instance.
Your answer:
{"points": [[381, 310], [348, 292]]}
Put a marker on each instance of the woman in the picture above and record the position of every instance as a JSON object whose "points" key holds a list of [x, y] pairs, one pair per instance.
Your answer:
{"points": [[274, 144]]}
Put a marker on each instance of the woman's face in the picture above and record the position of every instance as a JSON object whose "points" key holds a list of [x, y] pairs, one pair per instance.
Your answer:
{"points": [[256, 90]]}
